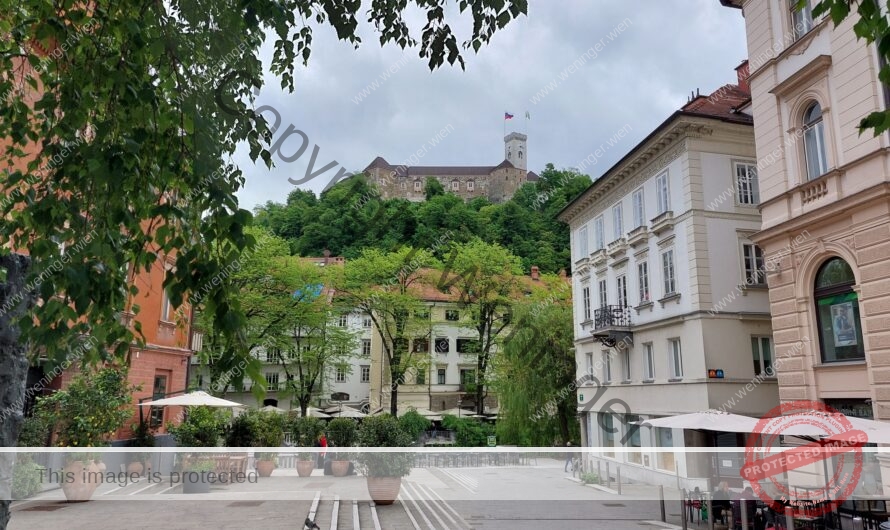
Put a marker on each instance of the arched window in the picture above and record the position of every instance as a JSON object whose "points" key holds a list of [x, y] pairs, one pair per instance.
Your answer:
{"points": [[520, 155], [814, 141], [837, 312]]}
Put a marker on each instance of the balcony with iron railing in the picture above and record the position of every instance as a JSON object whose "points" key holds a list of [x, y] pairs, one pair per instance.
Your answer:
{"points": [[612, 324]]}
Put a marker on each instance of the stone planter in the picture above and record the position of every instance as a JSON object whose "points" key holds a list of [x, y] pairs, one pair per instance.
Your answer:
{"points": [[264, 468], [305, 467], [80, 481], [384, 490], [195, 482], [340, 468]]}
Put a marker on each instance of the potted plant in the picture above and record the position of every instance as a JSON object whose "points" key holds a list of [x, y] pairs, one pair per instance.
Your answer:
{"points": [[269, 432], [86, 414], [142, 437], [202, 427], [341, 432], [384, 471], [195, 473], [305, 432]]}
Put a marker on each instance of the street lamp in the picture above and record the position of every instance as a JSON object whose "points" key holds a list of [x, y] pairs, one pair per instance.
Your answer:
{"points": [[459, 401]]}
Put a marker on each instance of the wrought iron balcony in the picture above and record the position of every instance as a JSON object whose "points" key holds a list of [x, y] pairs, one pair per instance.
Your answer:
{"points": [[611, 316], [611, 325]]}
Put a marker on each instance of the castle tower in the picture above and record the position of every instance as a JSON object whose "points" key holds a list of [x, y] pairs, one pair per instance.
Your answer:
{"points": [[515, 149]]}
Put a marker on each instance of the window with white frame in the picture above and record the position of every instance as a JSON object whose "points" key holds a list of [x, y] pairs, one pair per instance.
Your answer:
{"points": [[440, 376], [343, 321], [643, 281], [639, 208], [801, 19], [455, 185], [667, 272], [586, 302], [617, 221], [648, 362], [341, 374], [418, 186], [621, 283], [366, 373], [604, 298], [814, 141], [590, 362], [166, 308], [366, 347], [762, 350], [675, 358], [752, 256], [272, 381], [746, 185], [599, 234], [582, 242], [366, 321], [663, 193], [607, 366], [471, 185], [625, 364]]}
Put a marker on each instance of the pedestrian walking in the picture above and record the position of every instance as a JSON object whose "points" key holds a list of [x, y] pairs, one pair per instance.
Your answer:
{"points": [[570, 459]]}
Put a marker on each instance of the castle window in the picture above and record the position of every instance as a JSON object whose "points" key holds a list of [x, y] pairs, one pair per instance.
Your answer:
{"points": [[455, 185], [403, 185], [417, 185], [471, 185], [520, 155]]}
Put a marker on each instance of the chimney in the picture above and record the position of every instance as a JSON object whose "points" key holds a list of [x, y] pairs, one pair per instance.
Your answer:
{"points": [[536, 275], [743, 73]]}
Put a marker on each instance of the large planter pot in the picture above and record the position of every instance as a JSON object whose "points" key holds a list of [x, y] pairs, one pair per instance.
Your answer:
{"points": [[264, 468], [135, 467], [195, 482], [305, 467], [340, 468], [384, 490], [80, 481]]}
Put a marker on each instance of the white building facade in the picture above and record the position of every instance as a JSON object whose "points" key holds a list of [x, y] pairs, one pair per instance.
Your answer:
{"points": [[671, 308]]}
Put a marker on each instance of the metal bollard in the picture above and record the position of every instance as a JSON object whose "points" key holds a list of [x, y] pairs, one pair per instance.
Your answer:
{"points": [[857, 523], [710, 511], [743, 504], [662, 507], [684, 511], [789, 517], [618, 478], [599, 473]]}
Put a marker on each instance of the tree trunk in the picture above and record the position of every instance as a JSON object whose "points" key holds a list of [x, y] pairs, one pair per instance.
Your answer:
{"points": [[480, 384], [394, 400], [13, 369]]}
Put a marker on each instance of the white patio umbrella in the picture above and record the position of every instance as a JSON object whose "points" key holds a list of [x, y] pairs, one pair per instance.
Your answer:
{"points": [[463, 413], [829, 425], [709, 420], [313, 412], [273, 408], [192, 399], [348, 413]]}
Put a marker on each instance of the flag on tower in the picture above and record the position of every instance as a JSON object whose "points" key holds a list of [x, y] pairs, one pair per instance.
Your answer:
{"points": [[508, 116]]}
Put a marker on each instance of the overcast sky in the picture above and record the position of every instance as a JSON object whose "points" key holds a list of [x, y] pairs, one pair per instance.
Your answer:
{"points": [[638, 77]]}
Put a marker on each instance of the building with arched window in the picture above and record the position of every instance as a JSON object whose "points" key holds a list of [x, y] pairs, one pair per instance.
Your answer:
{"points": [[825, 201]]}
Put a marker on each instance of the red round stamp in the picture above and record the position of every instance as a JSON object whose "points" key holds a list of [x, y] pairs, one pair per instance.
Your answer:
{"points": [[811, 489]]}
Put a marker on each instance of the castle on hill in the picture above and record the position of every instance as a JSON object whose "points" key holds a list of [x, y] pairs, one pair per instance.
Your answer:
{"points": [[496, 183]]}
